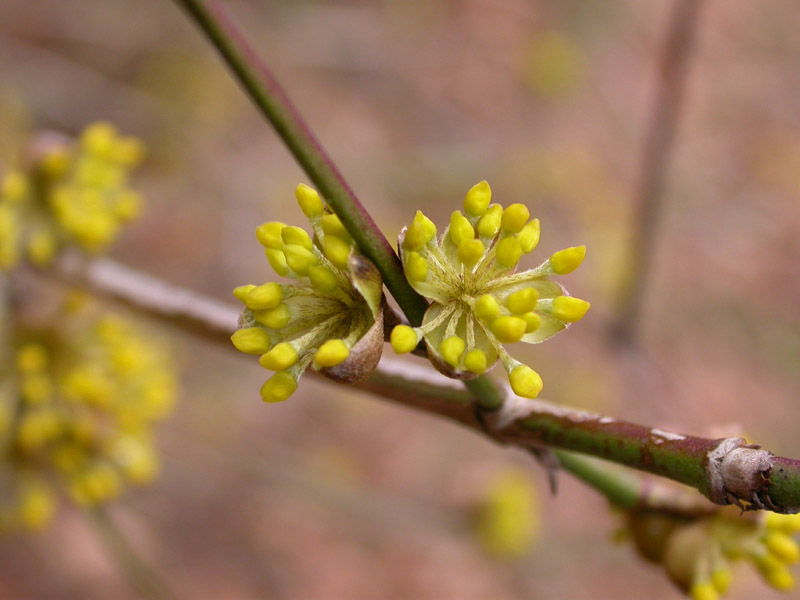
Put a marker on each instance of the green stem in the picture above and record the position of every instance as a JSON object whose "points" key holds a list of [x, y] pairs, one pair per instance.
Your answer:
{"points": [[624, 492], [140, 575], [267, 94]]}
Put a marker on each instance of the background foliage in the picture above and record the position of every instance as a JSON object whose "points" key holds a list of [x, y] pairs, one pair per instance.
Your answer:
{"points": [[330, 495]]}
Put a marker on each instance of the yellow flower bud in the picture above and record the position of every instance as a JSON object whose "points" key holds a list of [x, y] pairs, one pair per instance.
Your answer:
{"points": [[525, 381], [309, 201], [331, 225], [451, 350], [522, 301], [508, 252], [515, 217], [460, 228], [251, 340], [297, 236], [419, 233], [569, 309], [722, 578], [475, 361], [278, 387], [322, 279], [331, 353], [269, 234], [336, 250], [529, 236], [274, 318], [532, 322], [487, 308], [241, 292], [470, 252], [277, 260], [567, 260], [782, 546], [489, 223], [477, 199], [281, 357], [298, 259], [703, 591], [403, 339], [268, 295], [14, 186], [416, 266], [508, 329]]}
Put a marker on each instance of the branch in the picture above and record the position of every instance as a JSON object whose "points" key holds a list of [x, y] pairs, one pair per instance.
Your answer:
{"points": [[140, 575], [725, 470], [656, 150], [267, 94]]}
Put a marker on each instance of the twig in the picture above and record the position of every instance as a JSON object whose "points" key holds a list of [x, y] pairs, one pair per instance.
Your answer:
{"points": [[726, 471], [140, 575], [267, 94], [656, 150]]}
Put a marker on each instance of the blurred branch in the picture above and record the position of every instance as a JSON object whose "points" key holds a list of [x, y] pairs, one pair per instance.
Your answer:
{"points": [[142, 578], [656, 151], [267, 94], [725, 470]]}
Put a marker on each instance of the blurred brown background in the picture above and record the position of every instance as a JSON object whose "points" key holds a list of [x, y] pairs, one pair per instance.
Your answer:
{"points": [[335, 494]]}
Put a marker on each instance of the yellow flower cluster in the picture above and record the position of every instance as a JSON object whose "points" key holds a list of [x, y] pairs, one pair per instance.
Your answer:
{"points": [[331, 318], [698, 554], [70, 193], [479, 301], [76, 409], [507, 520]]}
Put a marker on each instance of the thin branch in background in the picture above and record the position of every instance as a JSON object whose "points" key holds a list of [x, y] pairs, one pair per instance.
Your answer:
{"points": [[657, 148], [726, 470], [140, 575]]}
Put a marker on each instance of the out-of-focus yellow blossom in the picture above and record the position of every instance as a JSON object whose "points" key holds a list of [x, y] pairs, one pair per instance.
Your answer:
{"points": [[698, 554], [78, 402], [479, 301], [71, 192], [507, 519], [331, 319]]}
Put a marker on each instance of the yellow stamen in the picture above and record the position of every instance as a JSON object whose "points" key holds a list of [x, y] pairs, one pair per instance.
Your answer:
{"points": [[419, 233], [487, 308], [489, 223]]}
